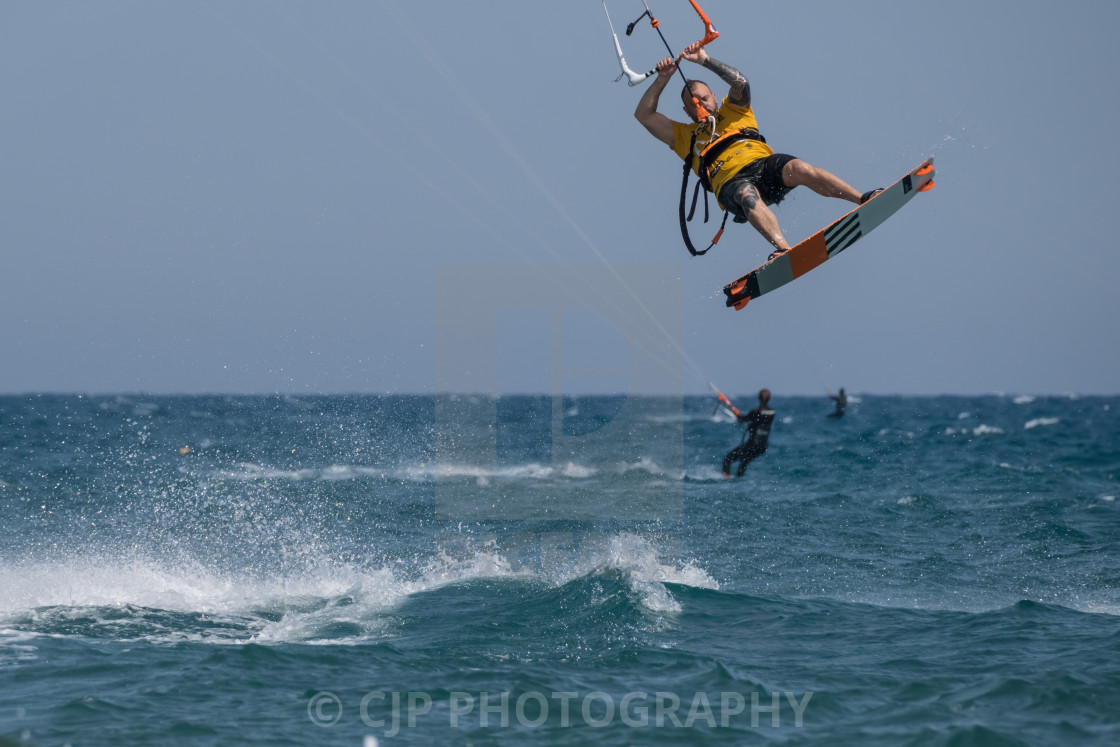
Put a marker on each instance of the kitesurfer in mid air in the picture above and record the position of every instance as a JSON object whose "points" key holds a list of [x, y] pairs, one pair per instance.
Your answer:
{"points": [[756, 436], [744, 173]]}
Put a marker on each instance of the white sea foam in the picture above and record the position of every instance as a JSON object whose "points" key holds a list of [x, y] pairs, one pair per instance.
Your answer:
{"points": [[577, 471], [240, 606], [16, 645], [646, 571], [1023, 399], [248, 472], [1040, 421], [980, 430], [530, 471], [704, 473], [637, 558], [102, 582], [642, 465], [312, 603]]}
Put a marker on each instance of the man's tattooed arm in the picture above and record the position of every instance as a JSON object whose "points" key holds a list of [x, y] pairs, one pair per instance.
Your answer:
{"points": [[740, 93]]}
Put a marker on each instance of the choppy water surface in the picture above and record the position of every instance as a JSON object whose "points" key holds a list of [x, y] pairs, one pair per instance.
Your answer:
{"points": [[260, 570]]}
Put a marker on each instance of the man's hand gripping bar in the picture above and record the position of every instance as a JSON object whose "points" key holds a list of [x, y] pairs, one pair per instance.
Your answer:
{"points": [[634, 78]]}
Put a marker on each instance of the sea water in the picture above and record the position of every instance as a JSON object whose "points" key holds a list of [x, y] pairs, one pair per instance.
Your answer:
{"points": [[368, 570]]}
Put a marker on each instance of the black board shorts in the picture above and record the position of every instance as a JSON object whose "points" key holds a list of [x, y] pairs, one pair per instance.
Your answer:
{"points": [[766, 176]]}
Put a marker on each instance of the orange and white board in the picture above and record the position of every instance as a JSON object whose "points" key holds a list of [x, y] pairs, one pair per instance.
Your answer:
{"points": [[830, 241]]}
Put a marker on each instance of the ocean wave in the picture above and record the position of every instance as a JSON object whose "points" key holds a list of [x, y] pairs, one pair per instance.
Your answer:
{"points": [[638, 558], [324, 602], [17, 647], [423, 472], [529, 471], [643, 464], [1035, 423], [249, 472], [482, 475]]}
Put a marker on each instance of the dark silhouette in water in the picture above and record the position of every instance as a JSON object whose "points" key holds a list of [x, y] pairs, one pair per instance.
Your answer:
{"points": [[756, 436], [841, 401]]}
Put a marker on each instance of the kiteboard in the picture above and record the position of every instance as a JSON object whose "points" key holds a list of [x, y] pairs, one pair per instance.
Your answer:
{"points": [[830, 241]]}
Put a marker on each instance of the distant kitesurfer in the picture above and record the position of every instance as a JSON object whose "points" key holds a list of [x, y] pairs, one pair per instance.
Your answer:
{"points": [[756, 436], [841, 401], [744, 173]]}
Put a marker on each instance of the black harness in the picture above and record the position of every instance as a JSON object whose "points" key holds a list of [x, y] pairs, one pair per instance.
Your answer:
{"points": [[707, 158]]}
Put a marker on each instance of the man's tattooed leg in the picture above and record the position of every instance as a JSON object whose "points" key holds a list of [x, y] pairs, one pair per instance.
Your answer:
{"points": [[747, 196]]}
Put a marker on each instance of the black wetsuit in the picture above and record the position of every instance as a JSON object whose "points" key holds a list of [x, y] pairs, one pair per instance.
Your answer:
{"points": [[755, 440], [841, 405]]}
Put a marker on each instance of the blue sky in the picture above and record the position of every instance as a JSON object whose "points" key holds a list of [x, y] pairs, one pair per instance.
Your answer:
{"points": [[270, 197]]}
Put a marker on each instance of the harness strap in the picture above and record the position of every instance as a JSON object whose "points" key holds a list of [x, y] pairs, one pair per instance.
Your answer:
{"points": [[695, 196], [680, 212], [716, 148], [707, 156]]}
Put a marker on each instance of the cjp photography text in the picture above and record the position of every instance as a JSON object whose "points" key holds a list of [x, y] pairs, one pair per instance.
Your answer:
{"points": [[393, 711]]}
